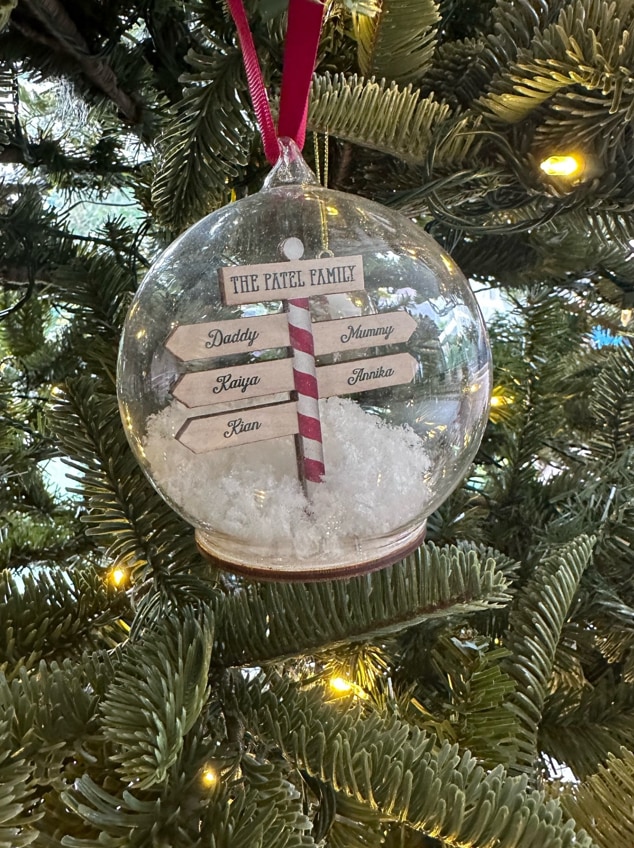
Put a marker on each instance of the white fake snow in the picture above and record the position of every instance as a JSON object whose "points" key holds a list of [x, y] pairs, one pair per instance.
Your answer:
{"points": [[373, 484]]}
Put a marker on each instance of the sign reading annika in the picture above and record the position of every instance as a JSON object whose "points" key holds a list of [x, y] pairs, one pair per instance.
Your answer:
{"points": [[267, 378]]}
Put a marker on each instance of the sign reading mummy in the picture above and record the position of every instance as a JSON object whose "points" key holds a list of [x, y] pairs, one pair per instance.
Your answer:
{"points": [[293, 282]]}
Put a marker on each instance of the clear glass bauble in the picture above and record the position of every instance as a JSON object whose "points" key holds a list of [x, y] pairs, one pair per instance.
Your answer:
{"points": [[392, 454]]}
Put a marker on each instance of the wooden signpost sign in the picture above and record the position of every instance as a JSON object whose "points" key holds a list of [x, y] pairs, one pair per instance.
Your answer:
{"points": [[294, 282], [290, 280]]}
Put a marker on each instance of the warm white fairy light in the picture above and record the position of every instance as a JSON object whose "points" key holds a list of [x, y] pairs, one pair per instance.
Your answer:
{"points": [[209, 777], [567, 165], [340, 685], [501, 400], [118, 575]]}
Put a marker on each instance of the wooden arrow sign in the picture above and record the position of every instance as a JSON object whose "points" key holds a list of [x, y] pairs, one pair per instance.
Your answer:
{"points": [[288, 280], [248, 335], [222, 338], [240, 382], [364, 375], [239, 427], [362, 332]]}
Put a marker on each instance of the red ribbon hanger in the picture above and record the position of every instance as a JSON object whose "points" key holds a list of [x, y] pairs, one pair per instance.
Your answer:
{"points": [[300, 53]]}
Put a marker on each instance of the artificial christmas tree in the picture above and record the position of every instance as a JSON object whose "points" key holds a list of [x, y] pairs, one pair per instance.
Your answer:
{"points": [[150, 699]]}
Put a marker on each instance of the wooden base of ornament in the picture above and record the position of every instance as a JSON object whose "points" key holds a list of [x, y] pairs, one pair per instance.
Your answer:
{"points": [[230, 557]]}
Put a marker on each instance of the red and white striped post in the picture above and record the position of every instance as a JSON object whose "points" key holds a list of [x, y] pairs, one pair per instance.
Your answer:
{"points": [[309, 441]]}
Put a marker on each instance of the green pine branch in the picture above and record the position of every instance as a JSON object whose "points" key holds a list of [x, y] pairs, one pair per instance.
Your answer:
{"points": [[589, 46], [287, 825], [260, 808], [57, 612], [597, 492], [612, 405], [375, 114], [535, 624], [486, 41], [603, 803], [398, 42], [487, 726], [125, 514], [96, 288], [147, 717], [48, 735], [581, 728], [398, 770], [533, 367], [352, 823], [207, 142], [18, 814], [512, 27], [253, 626], [560, 255]]}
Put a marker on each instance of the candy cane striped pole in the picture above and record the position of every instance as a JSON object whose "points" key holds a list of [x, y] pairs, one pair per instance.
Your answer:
{"points": [[305, 374], [309, 440]]}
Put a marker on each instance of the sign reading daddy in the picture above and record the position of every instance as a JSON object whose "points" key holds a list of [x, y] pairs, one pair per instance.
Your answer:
{"points": [[286, 280]]}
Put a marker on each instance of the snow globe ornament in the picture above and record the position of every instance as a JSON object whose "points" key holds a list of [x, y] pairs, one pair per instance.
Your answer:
{"points": [[304, 375]]}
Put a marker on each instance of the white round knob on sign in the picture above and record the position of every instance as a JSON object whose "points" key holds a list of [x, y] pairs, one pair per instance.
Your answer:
{"points": [[292, 248]]}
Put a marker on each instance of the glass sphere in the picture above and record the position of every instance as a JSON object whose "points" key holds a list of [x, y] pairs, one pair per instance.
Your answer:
{"points": [[210, 404]]}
